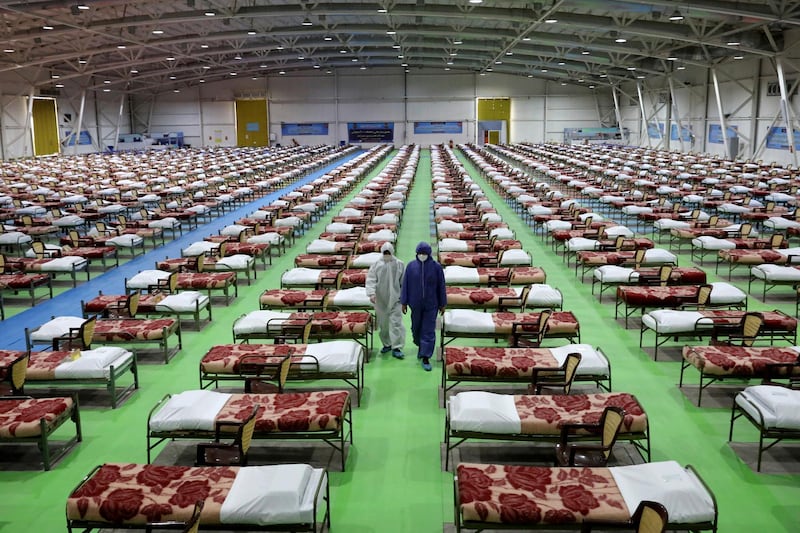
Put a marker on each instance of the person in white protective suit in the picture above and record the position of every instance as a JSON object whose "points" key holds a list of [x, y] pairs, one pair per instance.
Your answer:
{"points": [[383, 288]]}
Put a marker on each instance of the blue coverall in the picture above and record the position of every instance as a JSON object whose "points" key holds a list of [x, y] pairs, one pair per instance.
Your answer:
{"points": [[424, 292]]}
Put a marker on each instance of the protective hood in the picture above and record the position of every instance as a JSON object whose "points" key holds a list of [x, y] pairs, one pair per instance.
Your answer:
{"points": [[387, 247], [424, 248]]}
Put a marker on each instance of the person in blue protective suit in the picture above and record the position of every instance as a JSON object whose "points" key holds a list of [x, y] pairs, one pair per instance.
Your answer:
{"points": [[383, 288], [424, 292]]}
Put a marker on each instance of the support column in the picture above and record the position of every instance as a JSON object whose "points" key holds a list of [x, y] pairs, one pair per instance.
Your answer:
{"points": [[26, 134], [755, 106], [618, 112], [786, 109], [644, 115], [76, 131], [722, 122], [676, 112], [119, 119]]}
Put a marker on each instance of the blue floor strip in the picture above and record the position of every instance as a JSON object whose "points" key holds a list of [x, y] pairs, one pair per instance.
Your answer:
{"points": [[113, 281]]}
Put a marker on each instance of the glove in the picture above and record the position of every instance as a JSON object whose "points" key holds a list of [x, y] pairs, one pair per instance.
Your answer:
{"points": [[372, 298]]}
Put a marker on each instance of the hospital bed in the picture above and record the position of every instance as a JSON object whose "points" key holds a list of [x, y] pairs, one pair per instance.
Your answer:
{"points": [[34, 420], [493, 496], [293, 497], [337, 360], [773, 410], [531, 327], [203, 414], [718, 363], [537, 418]]}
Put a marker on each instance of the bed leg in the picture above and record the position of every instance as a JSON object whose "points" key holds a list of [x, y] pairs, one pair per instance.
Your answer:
{"points": [[43, 446]]}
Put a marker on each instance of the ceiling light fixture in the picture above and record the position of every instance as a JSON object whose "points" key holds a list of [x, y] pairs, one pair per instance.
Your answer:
{"points": [[83, 7], [620, 40], [203, 46], [672, 58], [60, 85], [544, 70], [327, 38], [106, 90], [585, 53], [234, 73], [82, 61], [382, 10], [680, 68], [475, 1], [550, 21], [526, 38], [282, 72], [733, 43], [8, 50], [134, 71], [738, 57], [176, 90], [158, 32], [170, 58], [458, 41], [306, 22], [391, 32], [676, 15], [201, 80], [251, 32], [210, 14], [171, 77]]}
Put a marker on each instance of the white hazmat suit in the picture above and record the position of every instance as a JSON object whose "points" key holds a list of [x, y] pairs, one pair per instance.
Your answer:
{"points": [[383, 288]]}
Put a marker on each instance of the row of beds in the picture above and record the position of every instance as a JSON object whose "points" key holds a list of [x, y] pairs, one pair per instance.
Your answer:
{"points": [[770, 408], [145, 210], [471, 515], [298, 499], [721, 215], [480, 489]]}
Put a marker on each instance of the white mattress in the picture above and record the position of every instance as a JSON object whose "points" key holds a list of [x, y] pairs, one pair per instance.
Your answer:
{"points": [[235, 262], [453, 245], [615, 274], [673, 321], [485, 412], [189, 410], [468, 321], [93, 364], [723, 293], [458, 275], [676, 488], [775, 273], [448, 225], [382, 235], [779, 407], [300, 276], [183, 302], [257, 321], [577, 244], [659, 255], [199, 248], [613, 232], [147, 278], [274, 494], [593, 362], [335, 356], [266, 238], [128, 240], [365, 260], [707, 242], [64, 264], [352, 297], [515, 257], [543, 295], [321, 246], [56, 327], [339, 227]]}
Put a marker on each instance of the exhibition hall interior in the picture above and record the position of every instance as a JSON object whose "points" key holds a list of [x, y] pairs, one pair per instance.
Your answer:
{"points": [[228, 229]]}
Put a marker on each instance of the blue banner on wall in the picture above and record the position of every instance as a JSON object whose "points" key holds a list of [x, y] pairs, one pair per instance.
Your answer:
{"points": [[438, 127], [83, 138], [655, 131], [686, 133], [304, 128], [778, 139], [370, 132], [715, 133]]}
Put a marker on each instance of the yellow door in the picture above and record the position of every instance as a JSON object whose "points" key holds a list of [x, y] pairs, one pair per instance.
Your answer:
{"points": [[45, 127], [495, 109], [494, 137], [251, 123]]}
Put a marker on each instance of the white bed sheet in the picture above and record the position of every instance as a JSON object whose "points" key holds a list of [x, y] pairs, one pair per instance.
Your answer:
{"points": [[778, 406], [485, 412], [673, 321], [457, 275], [64, 264], [468, 321], [667, 482], [93, 364], [258, 322], [335, 356], [352, 297], [300, 276], [770, 272], [189, 410], [274, 494]]}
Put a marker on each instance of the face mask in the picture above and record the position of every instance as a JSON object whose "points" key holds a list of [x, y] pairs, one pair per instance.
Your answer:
{"points": [[387, 258], [422, 257]]}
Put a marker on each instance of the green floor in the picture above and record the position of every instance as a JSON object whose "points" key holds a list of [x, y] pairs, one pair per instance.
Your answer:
{"points": [[394, 480]]}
